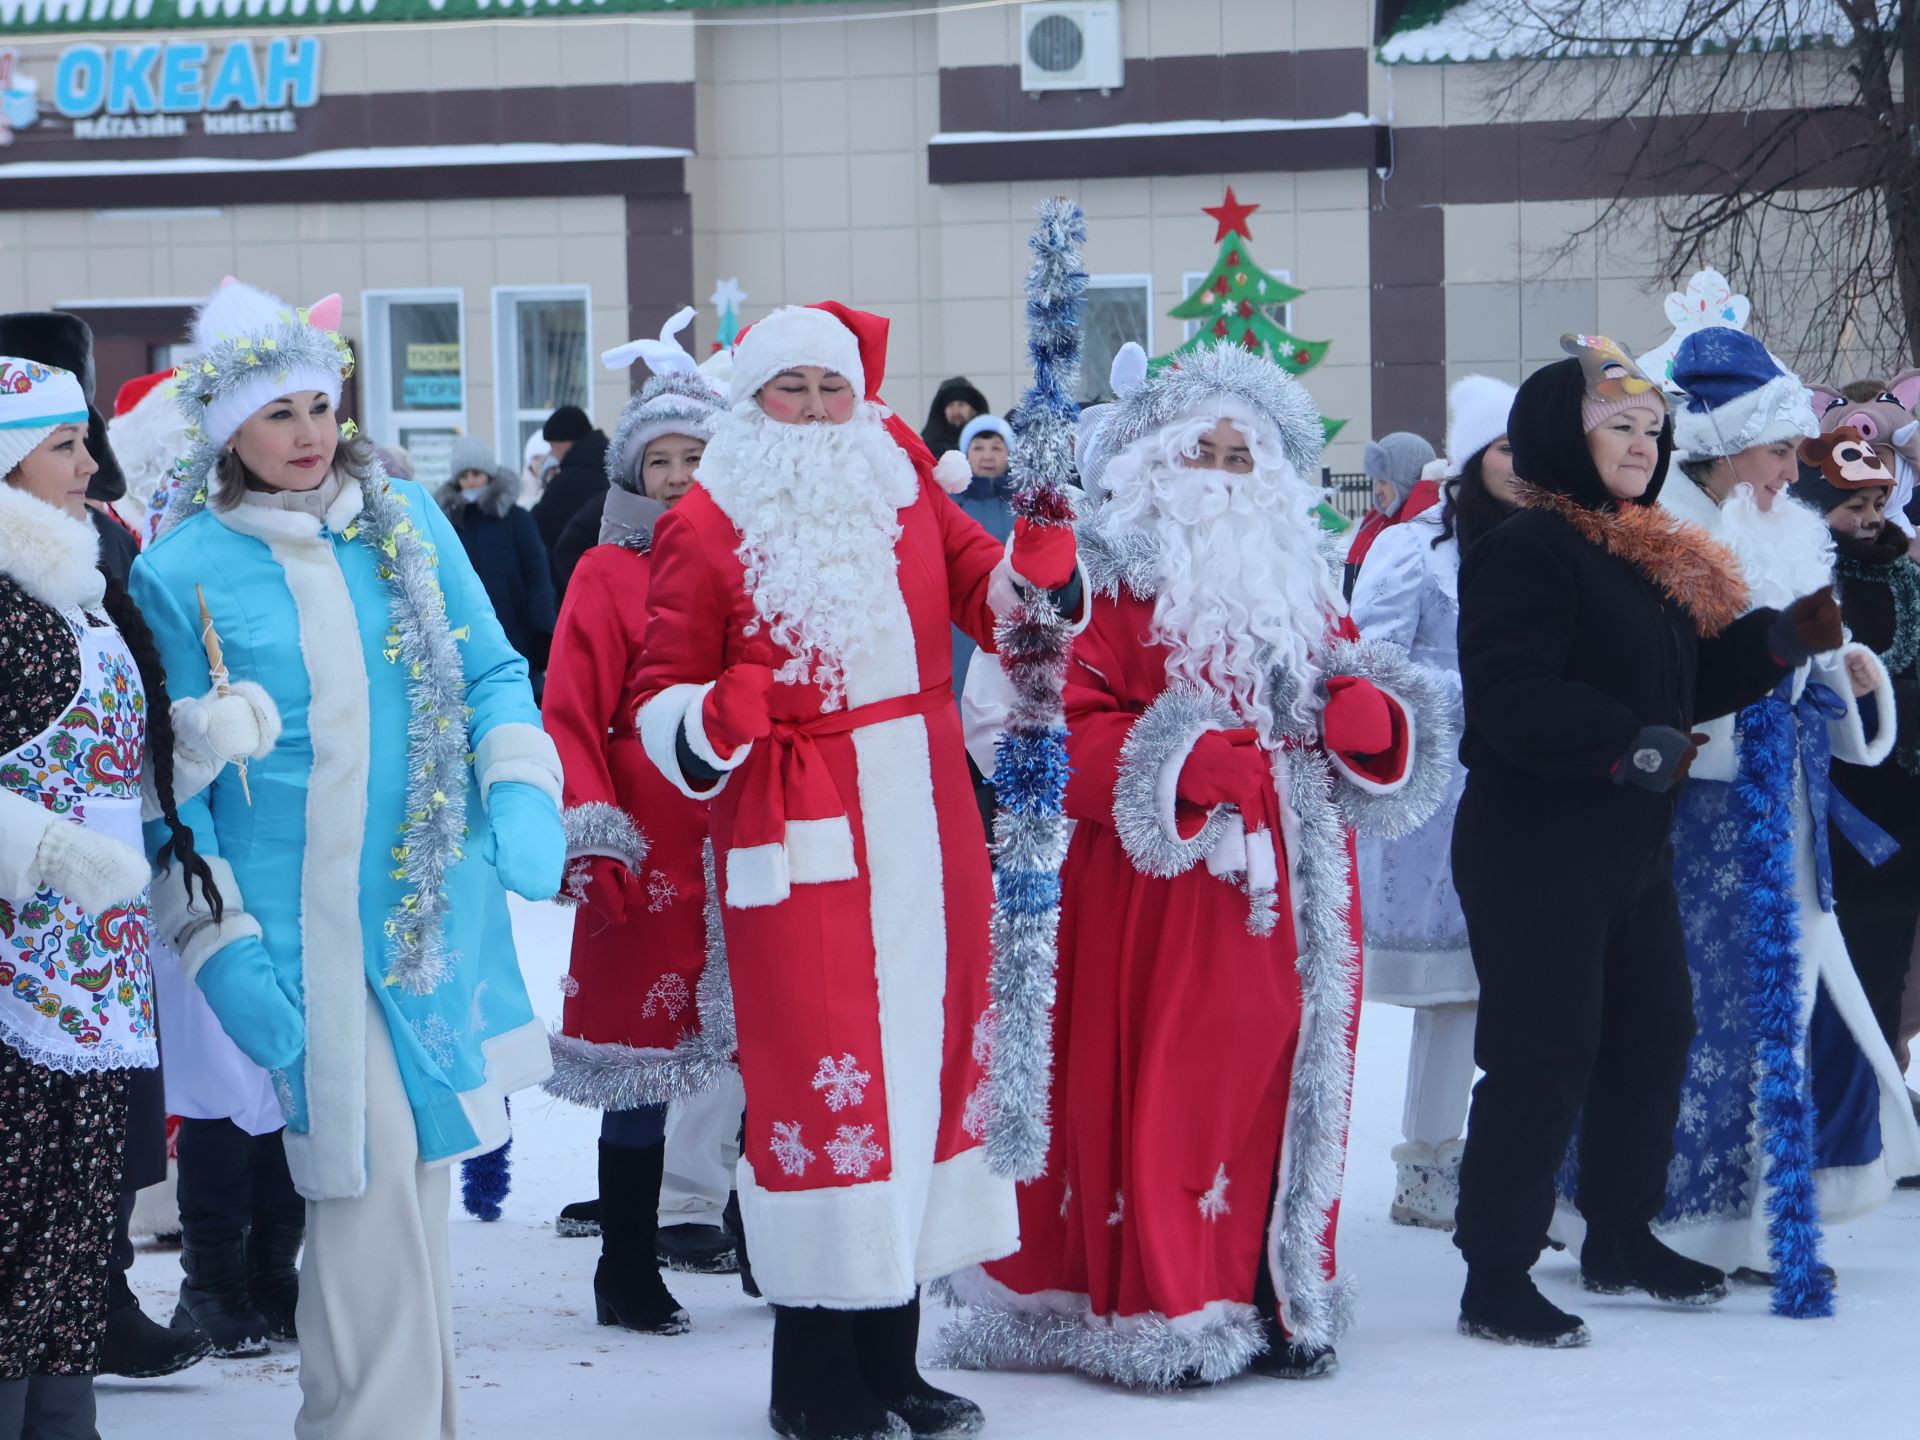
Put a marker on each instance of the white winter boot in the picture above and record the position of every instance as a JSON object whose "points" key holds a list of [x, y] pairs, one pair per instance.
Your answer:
{"points": [[1429, 1184]]}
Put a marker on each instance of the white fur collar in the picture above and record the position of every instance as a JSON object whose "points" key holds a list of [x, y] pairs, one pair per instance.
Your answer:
{"points": [[1687, 500], [271, 523], [47, 553]]}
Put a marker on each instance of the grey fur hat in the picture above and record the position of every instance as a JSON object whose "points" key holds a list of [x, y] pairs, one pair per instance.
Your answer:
{"points": [[1203, 378], [470, 452], [1398, 459], [678, 402]]}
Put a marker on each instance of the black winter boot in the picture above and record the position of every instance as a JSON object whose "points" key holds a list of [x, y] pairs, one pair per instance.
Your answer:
{"points": [[887, 1343], [1504, 1306], [273, 1272], [579, 1220], [1618, 1260], [140, 1347], [627, 1288], [738, 1230], [1287, 1359], [697, 1249], [214, 1297], [817, 1390]]}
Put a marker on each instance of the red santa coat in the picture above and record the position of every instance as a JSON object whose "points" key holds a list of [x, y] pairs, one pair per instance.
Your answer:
{"points": [[1201, 1071], [857, 946], [630, 1030]]}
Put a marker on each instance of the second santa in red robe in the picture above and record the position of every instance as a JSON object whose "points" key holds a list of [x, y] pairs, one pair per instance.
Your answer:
{"points": [[1227, 730]]}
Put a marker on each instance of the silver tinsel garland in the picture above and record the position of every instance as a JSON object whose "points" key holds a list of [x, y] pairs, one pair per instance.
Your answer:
{"points": [[611, 1076], [1031, 762], [1435, 737]]}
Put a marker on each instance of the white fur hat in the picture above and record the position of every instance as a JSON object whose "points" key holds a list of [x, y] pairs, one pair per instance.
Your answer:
{"points": [[253, 347], [35, 400], [1477, 410], [795, 335]]}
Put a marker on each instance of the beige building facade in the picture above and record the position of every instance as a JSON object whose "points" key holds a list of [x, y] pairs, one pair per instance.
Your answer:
{"points": [[498, 200]]}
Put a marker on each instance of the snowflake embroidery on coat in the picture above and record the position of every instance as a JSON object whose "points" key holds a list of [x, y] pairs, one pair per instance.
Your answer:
{"points": [[661, 891], [438, 1038], [569, 986], [978, 1112], [476, 1011], [1066, 1198], [668, 993], [984, 1031], [789, 1149], [853, 1151], [844, 1083], [1213, 1204], [1119, 1211]]}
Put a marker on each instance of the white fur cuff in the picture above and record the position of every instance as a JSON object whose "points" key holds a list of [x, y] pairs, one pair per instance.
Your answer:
{"points": [[519, 753], [186, 924], [659, 722], [1848, 735]]}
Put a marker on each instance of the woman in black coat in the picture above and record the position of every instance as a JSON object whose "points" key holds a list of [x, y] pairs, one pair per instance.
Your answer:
{"points": [[1596, 630], [504, 545]]}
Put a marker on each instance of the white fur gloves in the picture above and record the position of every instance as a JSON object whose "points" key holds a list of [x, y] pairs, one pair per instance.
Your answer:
{"points": [[210, 732], [90, 868]]}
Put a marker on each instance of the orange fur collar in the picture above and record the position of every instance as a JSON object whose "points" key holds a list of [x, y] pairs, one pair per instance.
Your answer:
{"points": [[1690, 567]]}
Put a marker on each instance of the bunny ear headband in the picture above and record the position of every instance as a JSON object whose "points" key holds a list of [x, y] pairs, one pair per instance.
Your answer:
{"points": [[664, 355]]}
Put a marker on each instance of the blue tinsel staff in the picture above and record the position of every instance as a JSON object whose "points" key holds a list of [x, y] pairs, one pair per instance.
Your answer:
{"points": [[485, 1179], [1030, 773]]}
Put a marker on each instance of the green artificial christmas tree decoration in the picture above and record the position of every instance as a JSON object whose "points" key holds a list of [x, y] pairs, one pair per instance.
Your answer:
{"points": [[1235, 304]]}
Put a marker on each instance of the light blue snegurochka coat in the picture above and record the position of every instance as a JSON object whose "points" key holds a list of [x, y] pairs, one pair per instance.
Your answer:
{"points": [[300, 610]]}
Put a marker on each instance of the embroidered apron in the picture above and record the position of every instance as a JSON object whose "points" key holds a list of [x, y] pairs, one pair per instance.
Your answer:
{"points": [[76, 992]]}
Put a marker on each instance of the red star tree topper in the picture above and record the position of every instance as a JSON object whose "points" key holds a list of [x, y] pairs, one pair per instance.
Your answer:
{"points": [[1236, 302]]}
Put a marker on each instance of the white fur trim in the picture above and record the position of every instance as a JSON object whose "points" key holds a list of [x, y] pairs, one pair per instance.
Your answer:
{"points": [[844, 1248], [1365, 783], [1848, 734], [1719, 757], [514, 1060], [329, 1161], [1781, 409], [795, 335], [1477, 409], [187, 927], [47, 553], [22, 825], [659, 722], [518, 752], [816, 852]]}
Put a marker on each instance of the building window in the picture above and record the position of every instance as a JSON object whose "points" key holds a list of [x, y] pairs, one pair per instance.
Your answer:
{"points": [[416, 382], [1281, 315], [542, 348], [1119, 308]]}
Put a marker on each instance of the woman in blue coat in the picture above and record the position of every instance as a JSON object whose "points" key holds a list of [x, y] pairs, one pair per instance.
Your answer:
{"points": [[364, 955]]}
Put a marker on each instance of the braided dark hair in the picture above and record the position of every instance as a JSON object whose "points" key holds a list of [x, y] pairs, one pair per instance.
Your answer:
{"points": [[132, 625], [1471, 510]]}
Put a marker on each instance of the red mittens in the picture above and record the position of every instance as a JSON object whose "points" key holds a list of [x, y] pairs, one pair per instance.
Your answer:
{"points": [[1044, 555], [606, 889], [1225, 767], [1358, 720], [735, 711]]}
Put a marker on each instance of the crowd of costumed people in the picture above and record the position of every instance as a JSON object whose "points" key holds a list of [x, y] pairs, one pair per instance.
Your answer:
{"points": [[978, 844]]}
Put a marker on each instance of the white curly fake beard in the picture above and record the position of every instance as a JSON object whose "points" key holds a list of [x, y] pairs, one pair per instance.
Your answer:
{"points": [[1243, 588], [817, 507], [1784, 553]]}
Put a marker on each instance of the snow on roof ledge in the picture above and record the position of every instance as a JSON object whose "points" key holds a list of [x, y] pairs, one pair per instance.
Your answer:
{"points": [[384, 157], [1502, 30], [1146, 129]]}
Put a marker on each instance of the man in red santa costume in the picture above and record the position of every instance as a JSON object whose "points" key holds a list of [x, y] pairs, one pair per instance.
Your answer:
{"points": [[1227, 731], [797, 671]]}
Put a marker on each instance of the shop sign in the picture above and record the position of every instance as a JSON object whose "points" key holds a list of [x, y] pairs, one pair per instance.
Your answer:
{"points": [[166, 89]]}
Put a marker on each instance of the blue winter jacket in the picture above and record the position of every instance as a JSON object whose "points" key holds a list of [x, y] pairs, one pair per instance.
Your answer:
{"points": [[300, 609]]}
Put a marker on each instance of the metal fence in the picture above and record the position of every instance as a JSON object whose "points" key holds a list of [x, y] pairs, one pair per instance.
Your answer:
{"points": [[1350, 491]]}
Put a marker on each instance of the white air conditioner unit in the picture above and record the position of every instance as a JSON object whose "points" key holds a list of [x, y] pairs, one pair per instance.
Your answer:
{"points": [[1071, 45]]}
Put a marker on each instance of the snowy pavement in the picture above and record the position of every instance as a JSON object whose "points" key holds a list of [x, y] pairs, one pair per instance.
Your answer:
{"points": [[532, 1361]]}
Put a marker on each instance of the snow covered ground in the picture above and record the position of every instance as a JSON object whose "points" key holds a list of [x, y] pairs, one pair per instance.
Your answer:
{"points": [[534, 1363]]}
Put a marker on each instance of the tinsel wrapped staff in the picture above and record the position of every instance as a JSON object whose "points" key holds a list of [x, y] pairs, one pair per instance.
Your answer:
{"points": [[1030, 768], [217, 672]]}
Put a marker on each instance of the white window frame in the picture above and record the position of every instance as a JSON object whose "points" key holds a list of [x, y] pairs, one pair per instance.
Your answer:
{"points": [[507, 415], [1143, 282], [1190, 282], [383, 422]]}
